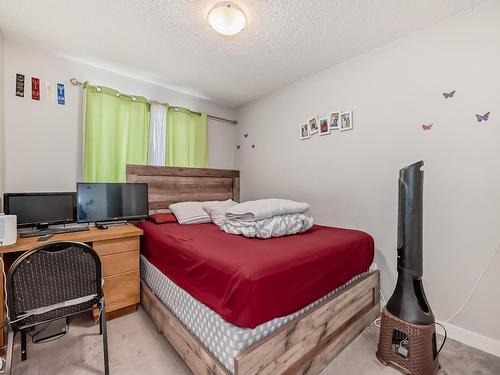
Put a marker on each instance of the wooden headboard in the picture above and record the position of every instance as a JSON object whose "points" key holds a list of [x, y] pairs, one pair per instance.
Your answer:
{"points": [[167, 185]]}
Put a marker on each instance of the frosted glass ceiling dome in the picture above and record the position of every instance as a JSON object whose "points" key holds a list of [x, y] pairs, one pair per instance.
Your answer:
{"points": [[227, 18]]}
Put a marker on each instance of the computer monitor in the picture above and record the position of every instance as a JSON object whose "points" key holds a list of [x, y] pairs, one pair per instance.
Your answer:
{"points": [[41, 209], [106, 202]]}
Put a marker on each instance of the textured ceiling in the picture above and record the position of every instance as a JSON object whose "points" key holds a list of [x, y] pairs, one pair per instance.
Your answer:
{"points": [[170, 43]]}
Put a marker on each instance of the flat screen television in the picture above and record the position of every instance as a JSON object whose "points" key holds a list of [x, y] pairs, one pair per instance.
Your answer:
{"points": [[103, 202], [41, 209]]}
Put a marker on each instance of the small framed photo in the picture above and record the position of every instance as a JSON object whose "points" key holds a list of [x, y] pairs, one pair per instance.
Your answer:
{"points": [[304, 131], [346, 121], [313, 125], [335, 120], [324, 126]]}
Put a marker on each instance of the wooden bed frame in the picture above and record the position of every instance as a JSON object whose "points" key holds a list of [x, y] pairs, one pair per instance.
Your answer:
{"points": [[305, 345]]}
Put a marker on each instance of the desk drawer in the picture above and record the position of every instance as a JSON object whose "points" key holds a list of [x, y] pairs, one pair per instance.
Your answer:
{"points": [[118, 245], [119, 263], [121, 290]]}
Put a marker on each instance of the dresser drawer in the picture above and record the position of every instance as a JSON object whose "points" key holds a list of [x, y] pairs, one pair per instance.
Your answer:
{"points": [[119, 263], [119, 245], [121, 290]]}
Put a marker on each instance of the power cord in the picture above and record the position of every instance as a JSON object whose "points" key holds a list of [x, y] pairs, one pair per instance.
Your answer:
{"points": [[7, 312], [444, 340], [469, 296], [474, 288], [5, 289], [456, 313], [382, 297], [384, 302]]}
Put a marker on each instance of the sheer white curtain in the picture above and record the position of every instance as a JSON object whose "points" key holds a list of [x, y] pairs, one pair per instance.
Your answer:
{"points": [[158, 134]]}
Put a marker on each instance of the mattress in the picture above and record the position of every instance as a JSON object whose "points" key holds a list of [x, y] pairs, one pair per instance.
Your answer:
{"points": [[250, 281], [224, 340]]}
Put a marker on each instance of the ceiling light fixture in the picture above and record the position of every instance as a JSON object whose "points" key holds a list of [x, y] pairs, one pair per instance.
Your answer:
{"points": [[227, 18]]}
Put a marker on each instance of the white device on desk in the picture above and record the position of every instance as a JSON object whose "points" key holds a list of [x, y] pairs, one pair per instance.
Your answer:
{"points": [[8, 229]]}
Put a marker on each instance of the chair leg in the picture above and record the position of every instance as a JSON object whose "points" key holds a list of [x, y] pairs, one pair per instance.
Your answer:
{"points": [[102, 324], [24, 348], [10, 349]]}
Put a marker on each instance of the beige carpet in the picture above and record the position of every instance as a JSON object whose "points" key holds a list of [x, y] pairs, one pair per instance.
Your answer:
{"points": [[136, 348]]}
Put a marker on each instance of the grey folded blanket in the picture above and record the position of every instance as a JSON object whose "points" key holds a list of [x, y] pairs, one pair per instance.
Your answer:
{"points": [[264, 209]]}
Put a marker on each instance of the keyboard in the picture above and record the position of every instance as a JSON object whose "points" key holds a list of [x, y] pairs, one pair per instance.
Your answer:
{"points": [[43, 232]]}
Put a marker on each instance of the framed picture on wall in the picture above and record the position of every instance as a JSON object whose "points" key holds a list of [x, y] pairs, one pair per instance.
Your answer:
{"points": [[313, 125], [335, 120], [346, 121], [304, 131], [324, 126]]}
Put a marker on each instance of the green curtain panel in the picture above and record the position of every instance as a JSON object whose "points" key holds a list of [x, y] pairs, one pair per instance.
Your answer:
{"points": [[186, 138], [116, 133]]}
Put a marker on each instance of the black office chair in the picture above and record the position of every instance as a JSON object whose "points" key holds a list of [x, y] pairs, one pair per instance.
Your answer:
{"points": [[51, 282]]}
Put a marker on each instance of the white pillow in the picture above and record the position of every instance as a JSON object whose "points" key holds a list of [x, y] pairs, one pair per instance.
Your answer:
{"points": [[217, 209], [190, 212]]}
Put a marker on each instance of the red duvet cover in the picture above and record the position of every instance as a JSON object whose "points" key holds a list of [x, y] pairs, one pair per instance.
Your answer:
{"points": [[250, 281]]}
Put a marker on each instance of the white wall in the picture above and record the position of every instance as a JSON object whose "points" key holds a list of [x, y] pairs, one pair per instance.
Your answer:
{"points": [[43, 140], [350, 178], [2, 142]]}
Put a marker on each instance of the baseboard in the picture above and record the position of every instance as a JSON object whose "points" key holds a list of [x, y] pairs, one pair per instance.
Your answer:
{"points": [[473, 339]]}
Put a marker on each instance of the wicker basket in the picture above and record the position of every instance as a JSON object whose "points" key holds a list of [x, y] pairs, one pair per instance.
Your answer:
{"points": [[411, 348]]}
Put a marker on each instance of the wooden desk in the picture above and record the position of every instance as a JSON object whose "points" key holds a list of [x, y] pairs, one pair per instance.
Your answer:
{"points": [[118, 248]]}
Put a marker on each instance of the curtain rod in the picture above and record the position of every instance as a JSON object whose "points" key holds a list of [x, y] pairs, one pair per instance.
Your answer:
{"points": [[75, 82]]}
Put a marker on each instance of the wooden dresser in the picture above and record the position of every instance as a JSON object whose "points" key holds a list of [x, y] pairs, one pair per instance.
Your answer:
{"points": [[118, 248]]}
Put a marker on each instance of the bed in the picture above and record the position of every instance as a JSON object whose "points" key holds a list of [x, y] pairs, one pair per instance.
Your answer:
{"points": [[229, 305]]}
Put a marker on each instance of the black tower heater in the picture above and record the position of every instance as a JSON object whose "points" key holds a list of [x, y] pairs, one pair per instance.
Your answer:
{"points": [[407, 333], [408, 302]]}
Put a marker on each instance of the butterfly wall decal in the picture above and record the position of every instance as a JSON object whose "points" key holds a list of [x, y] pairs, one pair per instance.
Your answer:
{"points": [[449, 94], [427, 127], [253, 146], [238, 147], [245, 135], [484, 117]]}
